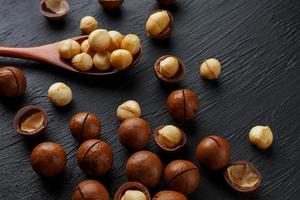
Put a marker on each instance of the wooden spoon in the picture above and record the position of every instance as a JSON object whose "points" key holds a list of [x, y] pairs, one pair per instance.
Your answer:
{"points": [[49, 54]]}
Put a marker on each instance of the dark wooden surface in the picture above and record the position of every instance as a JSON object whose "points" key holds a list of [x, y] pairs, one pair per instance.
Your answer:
{"points": [[258, 44]]}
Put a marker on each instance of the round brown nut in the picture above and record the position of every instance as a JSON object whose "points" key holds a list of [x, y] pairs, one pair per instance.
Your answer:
{"points": [[170, 138], [182, 176], [129, 109], [213, 152], [134, 133], [135, 189], [169, 195], [160, 24], [12, 82], [183, 104], [48, 159], [95, 157], [85, 126], [111, 4], [30, 121], [90, 189], [144, 167], [242, 176], [210, 69]]}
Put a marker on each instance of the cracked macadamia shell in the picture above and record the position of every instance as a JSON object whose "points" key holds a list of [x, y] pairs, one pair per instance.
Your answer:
{"points": [[95, 157], [30, 121], [90, 189], [183, 105], [213, 152], [243, 176], [85, 126], [12, 82]]}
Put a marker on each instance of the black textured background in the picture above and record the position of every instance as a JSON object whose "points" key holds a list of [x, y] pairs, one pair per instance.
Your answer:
{"points": [[258, 45]]}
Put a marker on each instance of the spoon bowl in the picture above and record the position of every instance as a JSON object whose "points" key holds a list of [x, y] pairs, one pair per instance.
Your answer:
{"points": [[49, 54]]}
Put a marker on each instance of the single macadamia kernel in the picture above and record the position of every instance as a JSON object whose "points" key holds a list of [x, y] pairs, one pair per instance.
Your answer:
{"points": [[261, 136], [116, 40], [210, 69], [121, 59], [88, 24], [131, 43], [60, 94], [99, 40], [82, 62], [55, 6], [101, 60], [129, 109], [170, 136], [86, 48], [157, 23], [68, 48], [134, 195], [169, 67]]}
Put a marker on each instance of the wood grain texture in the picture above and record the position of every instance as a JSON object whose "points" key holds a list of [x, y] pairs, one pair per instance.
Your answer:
{"points": [[258, 44]]}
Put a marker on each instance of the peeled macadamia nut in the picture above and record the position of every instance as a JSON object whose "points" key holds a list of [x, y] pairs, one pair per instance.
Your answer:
{"points": [[88, 24], [169, 66], [261, 136], [134, 195], [116, 40], [131, 43], [82, 62], [157, 23], [86, 48], [210, 69], [129, 109], [60, 94], [68, 48], [55, 6], [121, 59], [101, 60], [99, 40], [170, 136]]}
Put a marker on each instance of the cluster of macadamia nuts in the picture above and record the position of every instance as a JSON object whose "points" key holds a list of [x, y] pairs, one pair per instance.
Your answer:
{"points": [[103, 49]]}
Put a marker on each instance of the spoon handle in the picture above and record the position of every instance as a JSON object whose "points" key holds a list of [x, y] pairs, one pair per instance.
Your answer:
{"points": [[33, 53]]}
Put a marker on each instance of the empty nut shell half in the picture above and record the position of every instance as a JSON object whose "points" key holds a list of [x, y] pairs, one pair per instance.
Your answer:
{"points": [[49, 14], [174, 79], [131, 186], [178, 147], [242, 176], [166, 33], [30, 121]]}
